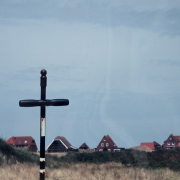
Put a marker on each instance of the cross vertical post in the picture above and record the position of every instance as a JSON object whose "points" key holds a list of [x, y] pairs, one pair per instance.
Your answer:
{"points": [[43, 102], [43, 124]]}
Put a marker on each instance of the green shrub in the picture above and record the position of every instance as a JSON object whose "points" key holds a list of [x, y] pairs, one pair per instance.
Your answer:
{"points": [[12, 155], [130, 158], [134, 158]]}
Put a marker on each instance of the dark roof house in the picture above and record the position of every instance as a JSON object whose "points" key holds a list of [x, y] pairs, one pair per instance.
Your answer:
{"points": [[25, 142], [109, 144], [171, 142], [84, 146], [60, 144]]}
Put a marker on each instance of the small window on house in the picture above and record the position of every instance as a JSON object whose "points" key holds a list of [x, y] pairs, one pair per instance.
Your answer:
{"points": [[100, 149], [172, 143], [168, 143], [116, 150], [104, 139], [107, 144], [170, 138], [109, 150], [25, 141], [102, 144]]}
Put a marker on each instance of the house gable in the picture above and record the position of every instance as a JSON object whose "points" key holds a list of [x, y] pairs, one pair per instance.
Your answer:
{"points": [[106, 142], [57, 146], [84, 146], [60, 144], [171, 142], [64, 141], [157, 146]]}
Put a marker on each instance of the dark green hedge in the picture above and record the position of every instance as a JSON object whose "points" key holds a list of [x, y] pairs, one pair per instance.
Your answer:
{"points": [[130, 158]]}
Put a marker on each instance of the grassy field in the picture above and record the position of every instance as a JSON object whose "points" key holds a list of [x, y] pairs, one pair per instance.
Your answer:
{"points": [[85, 171], [19, 164]]}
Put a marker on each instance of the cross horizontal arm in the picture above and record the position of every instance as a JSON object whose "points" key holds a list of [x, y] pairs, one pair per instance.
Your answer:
{"points": [[47, 102]]}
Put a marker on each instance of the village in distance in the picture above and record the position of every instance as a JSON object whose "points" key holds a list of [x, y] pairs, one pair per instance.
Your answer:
{"points": [[60, 145]]}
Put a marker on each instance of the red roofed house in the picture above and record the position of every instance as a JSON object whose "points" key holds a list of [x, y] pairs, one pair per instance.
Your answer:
{"points": [[25, 142], [152, 145], [171, 142], [108, 143], [60, 144]]}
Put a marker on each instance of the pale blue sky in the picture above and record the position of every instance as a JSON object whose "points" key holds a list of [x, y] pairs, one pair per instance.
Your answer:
{"points": [[117, 62]]}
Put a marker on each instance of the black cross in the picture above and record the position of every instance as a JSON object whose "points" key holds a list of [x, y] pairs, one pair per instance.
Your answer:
{"points": [[43, 102]]}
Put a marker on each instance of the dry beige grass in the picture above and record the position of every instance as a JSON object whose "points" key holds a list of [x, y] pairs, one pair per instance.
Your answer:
{"points": [[58, 154], [54, 154], [84, 171]]}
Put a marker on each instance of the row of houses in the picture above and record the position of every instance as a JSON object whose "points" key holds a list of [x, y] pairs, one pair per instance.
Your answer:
{"points": [[61, 144], [170, 143]]}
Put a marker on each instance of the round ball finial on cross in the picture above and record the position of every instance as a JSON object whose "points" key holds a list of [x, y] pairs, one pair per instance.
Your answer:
{"points": [[43, 72]]}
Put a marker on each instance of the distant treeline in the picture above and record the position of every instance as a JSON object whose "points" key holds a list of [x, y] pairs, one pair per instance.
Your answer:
{"points": [[129, 158]]}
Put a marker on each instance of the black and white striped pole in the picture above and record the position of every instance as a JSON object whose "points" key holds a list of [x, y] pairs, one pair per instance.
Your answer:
{"points": [[43, 84], [43, 102]]}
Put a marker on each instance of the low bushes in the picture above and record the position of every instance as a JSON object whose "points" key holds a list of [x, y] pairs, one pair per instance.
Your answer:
{"points": [[129, 158], [10, 155]]}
